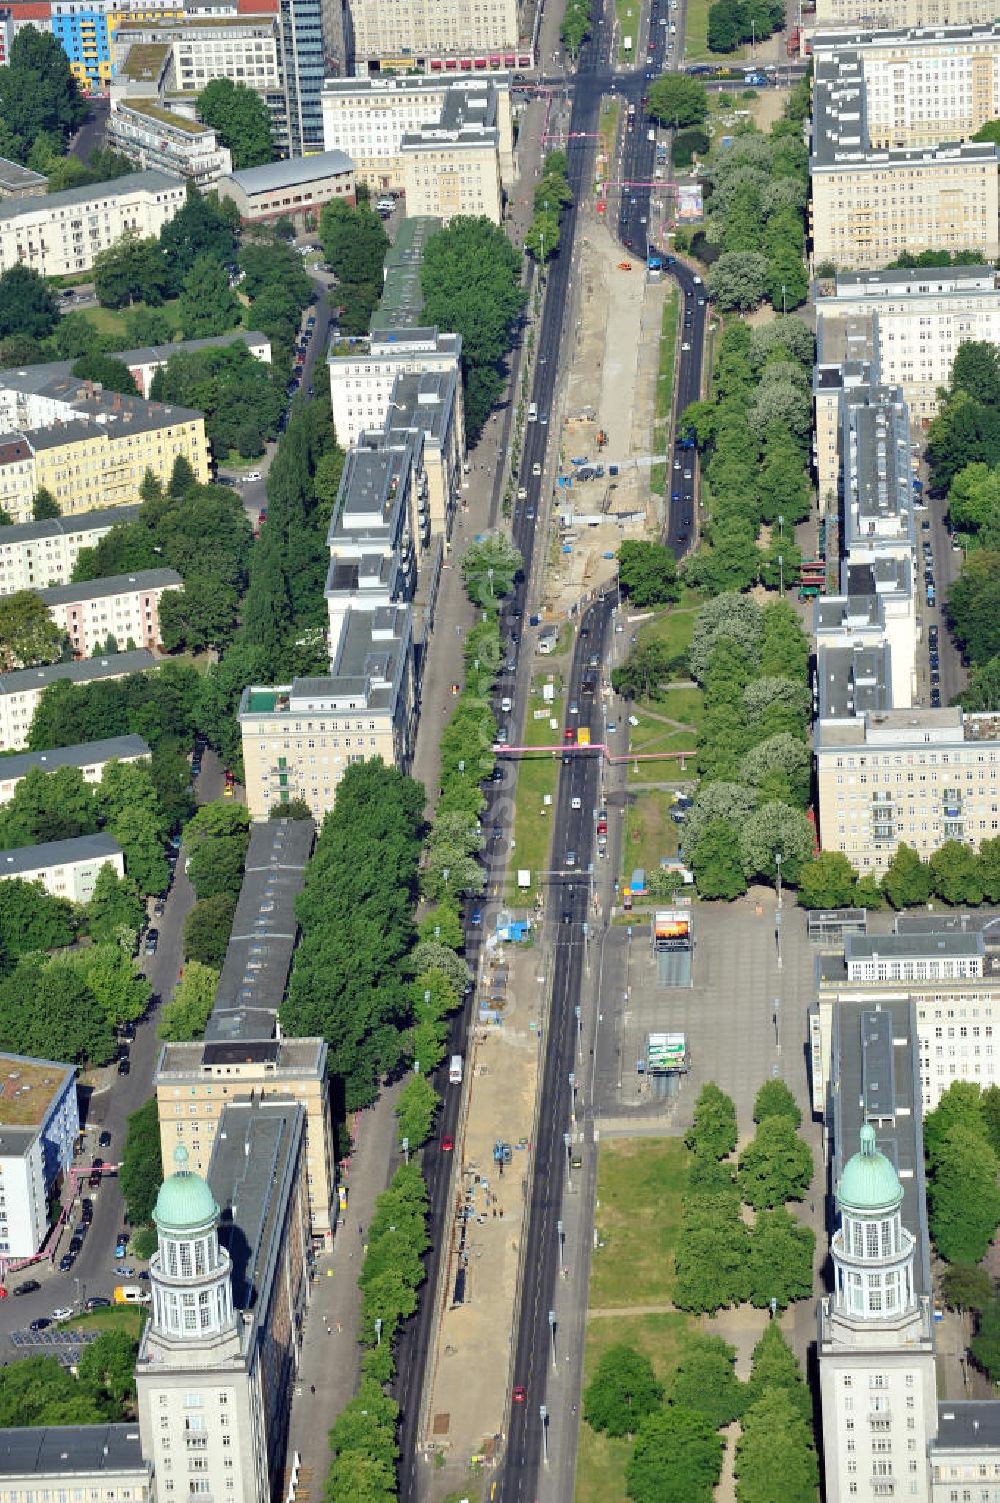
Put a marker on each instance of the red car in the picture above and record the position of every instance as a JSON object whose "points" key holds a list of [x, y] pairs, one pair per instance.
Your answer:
{"points": [[519, 1394], [569, 734], [447, 1143]]}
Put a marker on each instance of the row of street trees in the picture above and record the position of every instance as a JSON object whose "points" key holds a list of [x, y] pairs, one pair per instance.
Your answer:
{"points": [[721, 1260], [754, 439], [354, 243], [677, 1453], [552, 195], [753, 751], [955, 873]]}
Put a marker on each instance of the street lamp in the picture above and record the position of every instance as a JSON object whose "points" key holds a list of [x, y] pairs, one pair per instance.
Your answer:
{"points": [[777, 911], [783, 298], [543, 1415], [579, 1031], [775, 1015], [552, 1333], [781, 576], [569, 1160], [561, 1238]]}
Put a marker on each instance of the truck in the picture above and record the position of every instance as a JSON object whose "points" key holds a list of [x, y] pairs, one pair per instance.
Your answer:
{"points": [[455, 1070], [583, 735], [131, 1294], [792, 45]]}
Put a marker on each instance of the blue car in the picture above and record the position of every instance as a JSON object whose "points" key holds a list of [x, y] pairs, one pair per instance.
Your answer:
{"points": [[477, 916], [121, 1247]]}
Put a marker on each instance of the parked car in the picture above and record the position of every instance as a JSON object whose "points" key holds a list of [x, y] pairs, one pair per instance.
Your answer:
{"points": [[124, 1068], [97, 1302], [62, 1312], [41, 1324], [66, 1262], [104, 1141], [29, 1286]]}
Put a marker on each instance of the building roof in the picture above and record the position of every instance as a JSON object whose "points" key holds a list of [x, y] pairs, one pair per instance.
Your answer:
{"points": [[15, 179], [869, 1183], [150, 181], [114, 665], [86, 754], [28, 1088], [112, 584], [172, 119], [24, 860], [52, 527], [292, 172], [967, 1425], [252, 1174], [954, 945], [910, 279], [185, 1203], [70, 1450]]}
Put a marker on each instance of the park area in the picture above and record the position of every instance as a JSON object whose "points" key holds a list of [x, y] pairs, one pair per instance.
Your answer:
{"points": [[537, 778]]}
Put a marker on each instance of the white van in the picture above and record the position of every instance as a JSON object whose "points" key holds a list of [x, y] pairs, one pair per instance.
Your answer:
{"points": [[532, 412], [131, 1294], [455, 1070], [385, 205]]}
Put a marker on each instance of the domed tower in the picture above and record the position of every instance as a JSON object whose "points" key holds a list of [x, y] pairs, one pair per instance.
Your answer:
{"points": [[190, 1274], [876, 1349], [872, 1250]]}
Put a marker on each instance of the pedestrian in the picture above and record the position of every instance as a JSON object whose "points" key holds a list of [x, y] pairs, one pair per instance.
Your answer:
{"points": [[312, 1387], [339, 1328], [361, 1230]]}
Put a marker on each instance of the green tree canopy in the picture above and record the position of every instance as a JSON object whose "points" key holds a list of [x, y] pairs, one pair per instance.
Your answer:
{"points": [[775, 1368], [677, 1459], [622, 1392], [132, 270], [963, 1197], [774, 1099], [675, 99], [28, 306], [39, 96], [208, 304], [713, 1133], [242, 121], [142, 1167], [775, 1454], [28, 635], [705, 1381], [189, 1009], [207, 929], [776, 1166], [647, 572]]}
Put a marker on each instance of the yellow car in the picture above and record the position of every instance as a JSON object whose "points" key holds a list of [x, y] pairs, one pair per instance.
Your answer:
{"points": [[228, 791]]}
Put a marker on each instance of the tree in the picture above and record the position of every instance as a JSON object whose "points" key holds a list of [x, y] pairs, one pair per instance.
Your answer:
{"points": [[198, 616], [622, 1392], [781, 1259], [207, 928], [738, 280], [208, 304], [715, 860], [242, 121], [28, 306], [828, 881], [962, 1196], [188, 1011], [57, 805], [965, 1287], [775, 1454], [728, 617], [647, 572], [954, 871], [961, 1105], [415, 1110], [705, 1381], [779, 768], [115, 911], [675, 99], [38, 95], [48, 1010], [40, 1391], [976, 371], [142, 1167], [677, 1459], [132, 270], [776, 829], [105, 371], [973, 603], [354, 243], [121, 993], [207, 225], [985, 1344], [107, 1368], [241, 403], [28, 635], [907, 882], [713, 1133], [774, 1099], [489, 569], [775, 1369], [32, 919], [776, 1166]]}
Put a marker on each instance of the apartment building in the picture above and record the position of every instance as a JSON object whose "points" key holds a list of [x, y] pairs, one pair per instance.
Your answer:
{"points": [[363, 374], [919, 319], [63, 233], [143, 363], [154, 137], [21, 691], [295, 190], [20, 182], [244, 1052], [922, 776], [452, 166], [89, 448], [369, 117], [298, 738], [34, 555], [39, 1124], [91, 757], [435, 35], [889, 15], [865, 640], [872, 202], [125, 607], [430, 403], [102, 1463], [65, 868], [85, 30]]}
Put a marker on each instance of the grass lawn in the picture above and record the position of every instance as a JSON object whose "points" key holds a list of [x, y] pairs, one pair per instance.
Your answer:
{"points": [[601, 1461], [129, 1318], [664, 392], [536, 778], [628, 13], [674, 625], [649, 831], [113, 320], [608, 131], [696, 48], [639, 1187]]}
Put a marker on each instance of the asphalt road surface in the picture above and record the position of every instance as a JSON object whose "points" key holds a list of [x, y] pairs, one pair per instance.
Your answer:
{"points": [[107, 1108], [91, 132]]}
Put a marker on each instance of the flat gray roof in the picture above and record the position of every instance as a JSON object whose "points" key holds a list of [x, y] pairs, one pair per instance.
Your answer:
{"points": [[87, 754], [112, 584], [251, 1175], [915, 946], [114, 665], [25, 859], [853, 679], [151, 181], [985, 921], [967, 1424], [294, 170], [70, 1450], [15, 178], [915, 279], [53, 527]]}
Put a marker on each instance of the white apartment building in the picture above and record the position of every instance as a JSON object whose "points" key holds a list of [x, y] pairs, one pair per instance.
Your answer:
{"points": [[369, 117], [154, 137], [102, 1463], [421, 33], [871, 201], [91, 757], [34, 555], [65, 868], [453, 167], [39, 1124], [919, 319], [922, 776], [123, 606], [885, 15], [62, 234], [363, 373], [21, 691]]}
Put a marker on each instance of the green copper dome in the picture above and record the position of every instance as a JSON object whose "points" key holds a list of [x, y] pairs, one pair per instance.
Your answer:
{"points": [[869, 1181], [185, 1202]]}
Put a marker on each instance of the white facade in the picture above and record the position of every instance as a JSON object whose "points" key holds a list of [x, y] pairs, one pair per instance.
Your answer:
{"points": [[20, 691], [408, 29], [65, 868], [447, 172], [151, 136], [33, 1155], [90, 758], [62, 234], [361, 380], [38, 554], [123, 606]]}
